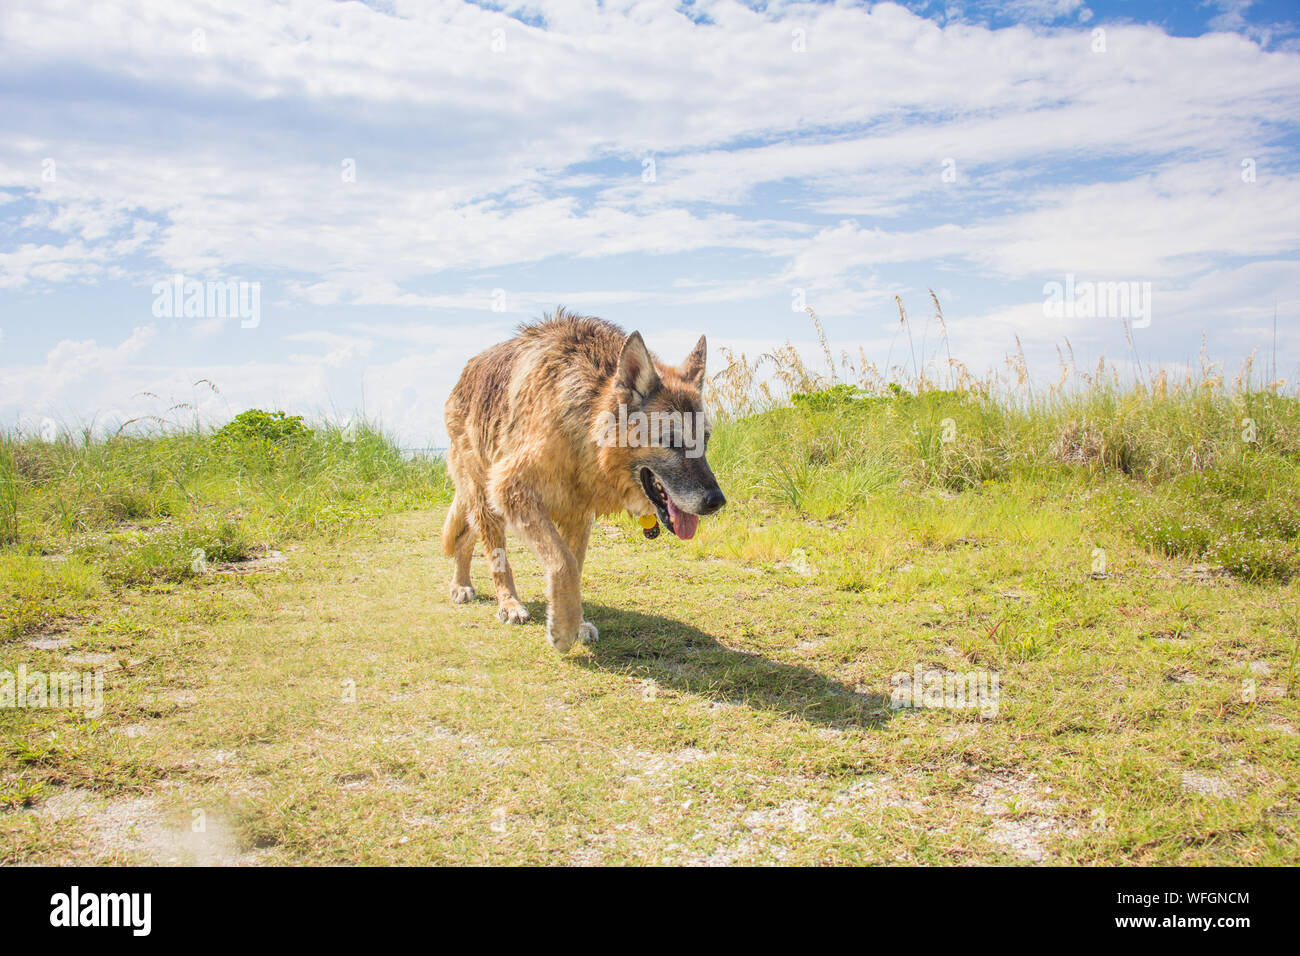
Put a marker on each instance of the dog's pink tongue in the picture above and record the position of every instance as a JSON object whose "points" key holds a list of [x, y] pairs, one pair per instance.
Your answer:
{"points": [[684, 523]]}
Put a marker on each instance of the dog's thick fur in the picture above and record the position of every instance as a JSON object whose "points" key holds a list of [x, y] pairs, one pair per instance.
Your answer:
{"points": [[525, 452]]}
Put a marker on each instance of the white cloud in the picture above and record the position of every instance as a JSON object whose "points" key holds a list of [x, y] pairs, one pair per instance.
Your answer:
{"points": [[500, 125], [339, 349], [226, 154]]}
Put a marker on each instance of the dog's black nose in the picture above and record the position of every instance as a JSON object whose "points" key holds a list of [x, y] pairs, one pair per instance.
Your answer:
{"points": [[714, 500]]}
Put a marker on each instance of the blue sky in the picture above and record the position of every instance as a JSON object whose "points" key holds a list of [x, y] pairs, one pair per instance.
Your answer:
{"points": [[406, 181]]}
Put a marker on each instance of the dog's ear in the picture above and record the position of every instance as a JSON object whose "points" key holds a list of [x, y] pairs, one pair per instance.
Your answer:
{"points": [[693, 367], [636, 371]]}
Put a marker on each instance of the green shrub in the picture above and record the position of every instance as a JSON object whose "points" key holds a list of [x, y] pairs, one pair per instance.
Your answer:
{"points": [[837, 396], [263, 429]]}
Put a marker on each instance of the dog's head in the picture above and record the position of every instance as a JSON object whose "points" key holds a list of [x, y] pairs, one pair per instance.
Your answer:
{"points": [[662, 425]]}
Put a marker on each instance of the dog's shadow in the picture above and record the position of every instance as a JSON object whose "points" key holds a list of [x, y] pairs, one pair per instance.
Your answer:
{"points": [[686, 659]]}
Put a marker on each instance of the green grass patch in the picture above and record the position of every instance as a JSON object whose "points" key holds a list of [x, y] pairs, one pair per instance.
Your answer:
{"points": [[1179, 472], [81, 514]]}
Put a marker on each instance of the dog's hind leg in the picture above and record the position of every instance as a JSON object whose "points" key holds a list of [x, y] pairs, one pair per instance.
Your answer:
{"points": [[493, 531], [458, 542]]}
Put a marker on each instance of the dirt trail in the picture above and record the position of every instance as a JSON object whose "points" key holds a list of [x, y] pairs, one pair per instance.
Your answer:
{"points": [[333, 706]]}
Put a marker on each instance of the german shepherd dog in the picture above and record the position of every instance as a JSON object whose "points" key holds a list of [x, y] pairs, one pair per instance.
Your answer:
{"points": [[570, 419]]}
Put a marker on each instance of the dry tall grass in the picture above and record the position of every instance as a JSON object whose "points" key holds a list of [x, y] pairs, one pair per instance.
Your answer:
{"points": [[1209, 467], [768, 381]]}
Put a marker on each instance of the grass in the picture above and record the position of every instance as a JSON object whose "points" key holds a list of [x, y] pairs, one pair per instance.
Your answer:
{"points": [[80, 516], [1124, 561], [1238, 507]]}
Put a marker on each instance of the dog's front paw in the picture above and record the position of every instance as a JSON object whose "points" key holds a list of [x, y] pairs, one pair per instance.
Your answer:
{"points": [[587, 633], [462, 593], [560, 640], [512, 612]]}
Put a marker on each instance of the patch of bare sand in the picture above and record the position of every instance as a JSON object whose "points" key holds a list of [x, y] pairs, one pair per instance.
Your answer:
{"points": [[1021, 810], [1021, 813], [646, 766], [265, 561], [759, 835], [49, 642], [1209, 785], [134, 825]]}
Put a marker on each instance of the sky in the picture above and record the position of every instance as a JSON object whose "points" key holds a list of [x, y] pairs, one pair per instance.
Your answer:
{"points": [[354, 198]]}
